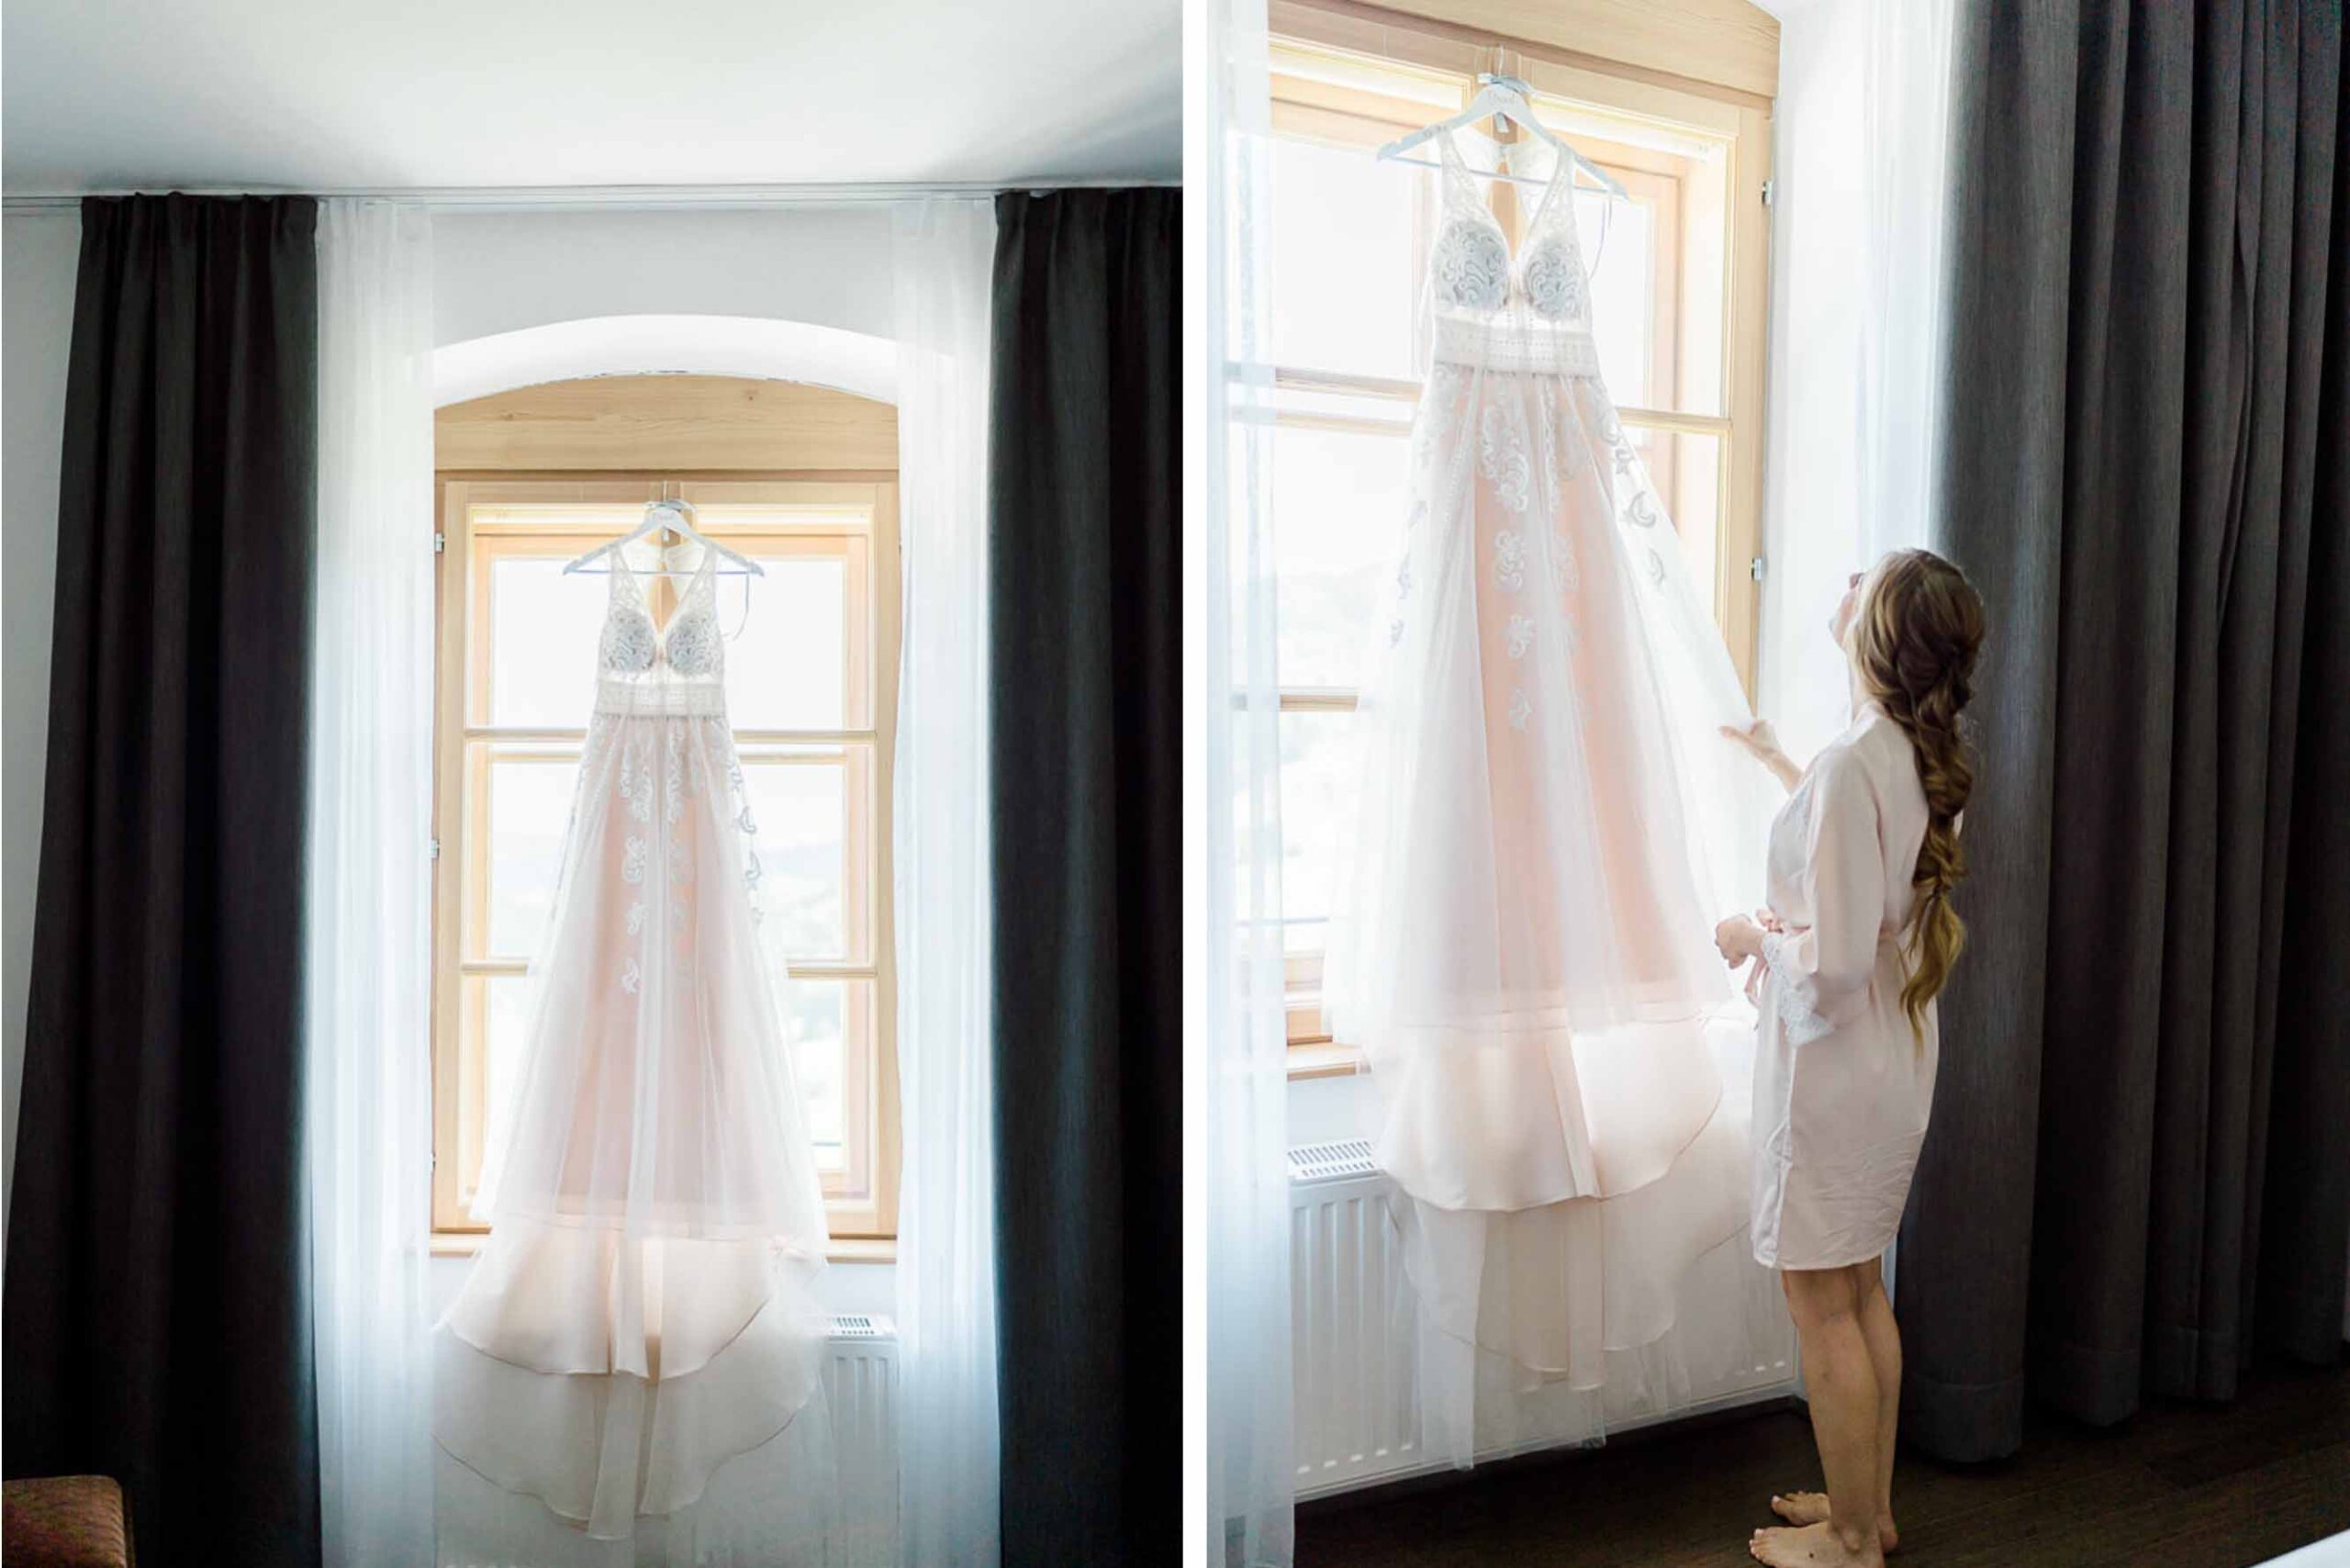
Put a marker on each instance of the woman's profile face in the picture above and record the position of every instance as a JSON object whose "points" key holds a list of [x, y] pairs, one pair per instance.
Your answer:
{"points": [[1840, 623]]}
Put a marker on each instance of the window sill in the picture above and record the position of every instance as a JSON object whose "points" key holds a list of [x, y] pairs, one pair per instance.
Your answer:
{"points": [[841, 1249]]}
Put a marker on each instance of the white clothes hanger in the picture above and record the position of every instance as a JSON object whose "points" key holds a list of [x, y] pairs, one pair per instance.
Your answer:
{"points": [[663, 515], [1502, 97]]}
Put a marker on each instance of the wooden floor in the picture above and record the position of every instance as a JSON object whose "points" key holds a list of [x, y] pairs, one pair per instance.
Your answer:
{"points": [[2182, 1486]]}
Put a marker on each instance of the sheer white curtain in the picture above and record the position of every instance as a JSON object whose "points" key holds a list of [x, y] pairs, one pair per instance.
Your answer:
{"points": [[1858, 324], [1237, 1111], [370, 1130], [948, 1461], [1905, 89]]}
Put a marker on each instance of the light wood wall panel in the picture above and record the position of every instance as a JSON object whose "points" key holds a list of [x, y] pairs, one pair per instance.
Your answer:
{"points": [[1732, 46], [712, 423]]}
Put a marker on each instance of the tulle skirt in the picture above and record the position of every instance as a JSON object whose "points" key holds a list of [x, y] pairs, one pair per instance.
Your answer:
{"points": [[1556, 1324], [641, 1312]]}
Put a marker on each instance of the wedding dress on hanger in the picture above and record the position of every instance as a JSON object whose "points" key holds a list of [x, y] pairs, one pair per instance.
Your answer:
{"points": [[641, 1311], [1526, 959]]}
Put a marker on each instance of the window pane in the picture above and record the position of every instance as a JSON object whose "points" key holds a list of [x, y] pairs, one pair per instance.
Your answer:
{"points": [[1318, 795], [498, 1021], [816, 1024], [787, 668], [1338, 504], [801, 802], [1620, 242], [1349, 251], [542, 632], [528, 809]]}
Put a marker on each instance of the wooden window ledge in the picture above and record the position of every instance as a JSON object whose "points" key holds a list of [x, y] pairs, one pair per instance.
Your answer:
{"points": [[1323, 1060]]}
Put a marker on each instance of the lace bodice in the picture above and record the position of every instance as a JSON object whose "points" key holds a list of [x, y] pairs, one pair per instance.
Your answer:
{"points": [[638, 658], [1529, 313], [1471, 268]]}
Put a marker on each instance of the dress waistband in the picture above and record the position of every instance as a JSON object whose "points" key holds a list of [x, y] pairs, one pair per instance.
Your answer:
{"points": [[627, 698], [1516, 344]]}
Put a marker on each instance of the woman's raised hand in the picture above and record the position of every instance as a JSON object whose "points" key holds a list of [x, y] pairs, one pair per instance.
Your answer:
{"points": [[1738, 940], [1762, 743]]}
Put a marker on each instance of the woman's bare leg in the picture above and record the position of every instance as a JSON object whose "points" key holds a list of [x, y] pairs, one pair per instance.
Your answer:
{"points": [[1883, 1336], [1839, 1379]]}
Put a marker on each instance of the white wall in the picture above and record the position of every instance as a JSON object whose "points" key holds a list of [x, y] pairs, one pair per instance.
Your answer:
{"points": [[498, 271], [494, 271], [39, 253]]}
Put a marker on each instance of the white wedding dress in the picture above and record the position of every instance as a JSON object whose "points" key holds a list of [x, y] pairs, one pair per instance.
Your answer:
{"points": [[641, 1311], [1528, 963]]}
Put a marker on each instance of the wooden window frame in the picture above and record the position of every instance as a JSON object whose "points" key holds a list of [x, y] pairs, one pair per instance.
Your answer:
{"points": [[861, 1201], [1442, 51]]}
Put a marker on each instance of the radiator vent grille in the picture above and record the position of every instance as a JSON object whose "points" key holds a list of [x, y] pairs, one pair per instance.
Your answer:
{"points": [[1339, 1159], [862, 1326]]}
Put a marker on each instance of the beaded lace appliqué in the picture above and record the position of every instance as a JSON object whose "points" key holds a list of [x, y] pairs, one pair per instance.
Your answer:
{"points": [[693, 642], [629, 642], [636, 779], [745, 822], [1553, 282], [1564, 578], [1509, 560], [1501, 445], [1619, 450], [1472, 265], [674, 792]]}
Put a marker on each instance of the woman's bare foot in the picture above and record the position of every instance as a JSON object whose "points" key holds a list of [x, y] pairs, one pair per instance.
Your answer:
{"points": [[1810, 1546], [1811, 1508]]}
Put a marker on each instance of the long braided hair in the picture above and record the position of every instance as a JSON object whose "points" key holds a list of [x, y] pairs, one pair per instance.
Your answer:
{"points": [[1913, 644]]}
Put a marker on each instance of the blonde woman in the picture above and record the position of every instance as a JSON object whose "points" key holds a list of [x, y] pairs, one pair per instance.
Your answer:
{"points": [[1859, 936]]}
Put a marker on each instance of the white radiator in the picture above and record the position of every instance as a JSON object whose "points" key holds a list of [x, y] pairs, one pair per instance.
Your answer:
{"points": [[1353, 1333], [1358, 1412], [861, 1386]]}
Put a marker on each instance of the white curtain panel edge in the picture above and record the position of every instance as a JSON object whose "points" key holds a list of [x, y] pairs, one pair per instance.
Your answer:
{"points": [[1231, 841], [950, 1465], [368, 983]]}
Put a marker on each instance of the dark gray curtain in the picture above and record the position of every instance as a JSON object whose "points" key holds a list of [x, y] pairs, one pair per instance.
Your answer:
{"points": [[1085, 743], [2135, 1172], [157, 1308]]}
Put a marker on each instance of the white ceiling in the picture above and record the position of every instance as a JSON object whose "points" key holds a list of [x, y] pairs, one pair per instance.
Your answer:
{"points": [[326, 95]]}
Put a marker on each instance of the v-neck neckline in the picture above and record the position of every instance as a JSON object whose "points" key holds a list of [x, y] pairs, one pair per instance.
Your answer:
{"points": [[1560, 165], [644, 601]]}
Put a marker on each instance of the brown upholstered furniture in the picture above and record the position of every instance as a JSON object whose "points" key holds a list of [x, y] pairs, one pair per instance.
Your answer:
{"points": [[65, 1521]]}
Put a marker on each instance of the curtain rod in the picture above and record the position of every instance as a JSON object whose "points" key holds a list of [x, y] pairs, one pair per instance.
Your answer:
{"points": [[547, 199]]}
